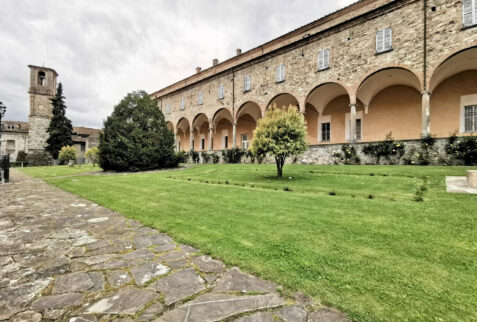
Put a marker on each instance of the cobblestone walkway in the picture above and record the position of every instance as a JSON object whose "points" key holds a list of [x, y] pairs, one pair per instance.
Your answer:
{"points": [[65, 258]]}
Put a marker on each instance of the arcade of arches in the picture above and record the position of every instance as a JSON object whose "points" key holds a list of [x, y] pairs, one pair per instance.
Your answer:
{"points": [[387, 100]]}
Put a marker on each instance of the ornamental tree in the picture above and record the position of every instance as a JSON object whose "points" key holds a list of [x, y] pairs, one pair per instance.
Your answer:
{"points": [[135, 136], [93, 155], [60, 128], [281, 134], [67, 153]]}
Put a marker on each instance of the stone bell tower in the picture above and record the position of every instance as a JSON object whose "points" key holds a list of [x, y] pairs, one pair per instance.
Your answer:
{"points": [[42, 89]]}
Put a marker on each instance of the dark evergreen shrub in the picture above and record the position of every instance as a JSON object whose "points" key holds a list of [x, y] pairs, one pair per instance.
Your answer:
{"points": [[348, 155], [194, 156], [233, 155], [135, 137], [205, 157], [182, 157], [21, 157], [389, 149], [39, 158], [463, 149], [215, 158]]}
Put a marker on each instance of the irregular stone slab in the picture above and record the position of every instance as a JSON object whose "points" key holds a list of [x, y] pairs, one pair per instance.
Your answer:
{"points": [[98, 280], [83, 319], [177, 264], [147, 241], [292, 314], [188, 249], [99, 219], [144, 254], [151, 312], [57, 301], [75, 282], [148, 271], [77, 252], [16, 298], [115, 263], [118, 278], [27, 316], [215, 307], [208, 265], [164, 248], [179, 285], [327, 314], [257, 317], [93, 260], [173, 256], [210, 278], [128, 300], [236, 281], [53, 314]]}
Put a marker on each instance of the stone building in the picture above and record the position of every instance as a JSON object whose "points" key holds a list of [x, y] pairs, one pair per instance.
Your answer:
{"points": [[31, 137], [408, 67]]}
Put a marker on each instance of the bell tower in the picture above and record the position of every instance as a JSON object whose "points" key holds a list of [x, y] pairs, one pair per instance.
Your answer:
{"points": [[42, 89]]}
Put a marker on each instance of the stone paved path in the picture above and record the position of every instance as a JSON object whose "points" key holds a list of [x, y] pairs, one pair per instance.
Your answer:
{"points": [[66, 258]]}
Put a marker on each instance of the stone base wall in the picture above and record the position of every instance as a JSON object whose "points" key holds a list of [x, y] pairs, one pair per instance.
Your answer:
{"points": [[37, 134]]}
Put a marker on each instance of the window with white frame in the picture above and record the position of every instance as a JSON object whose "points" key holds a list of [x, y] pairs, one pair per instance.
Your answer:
{"points": [[324, 128], [201, 98], [221, 91], [469, 12], [324, 59], [168, 108], [182, 103], [359, 126], [247, 83], [244, 141], [384, 40], [470, 118], [280, 73]]}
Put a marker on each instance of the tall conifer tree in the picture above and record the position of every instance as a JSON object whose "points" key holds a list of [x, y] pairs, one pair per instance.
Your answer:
{"points": [[60, 128]]}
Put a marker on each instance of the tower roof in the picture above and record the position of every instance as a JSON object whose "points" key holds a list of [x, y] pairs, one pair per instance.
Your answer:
{"points": [[42, 67]]}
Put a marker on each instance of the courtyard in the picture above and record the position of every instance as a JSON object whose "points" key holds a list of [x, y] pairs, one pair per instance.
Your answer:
{"points": [[375, 242]]}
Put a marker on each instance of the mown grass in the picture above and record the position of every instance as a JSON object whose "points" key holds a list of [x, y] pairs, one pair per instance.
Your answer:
{"points": [[59, 171], [389, 257]]}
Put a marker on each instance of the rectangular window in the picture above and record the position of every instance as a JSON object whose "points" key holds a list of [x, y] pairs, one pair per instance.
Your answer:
{"points": [[325, 132], [384, 40], [470, 118], [83, 146], [202, 144], [244, 141], [183, 104], [221, 91], [201, 99], [324, 59], [226, 142], [358, 129], [280, 73], [247, 83], [168, 108], [469, 12]]}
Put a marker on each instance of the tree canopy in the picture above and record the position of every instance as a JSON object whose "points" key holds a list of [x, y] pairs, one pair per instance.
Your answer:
{"points": [[135, 136], [60, 129], [281, 133]]}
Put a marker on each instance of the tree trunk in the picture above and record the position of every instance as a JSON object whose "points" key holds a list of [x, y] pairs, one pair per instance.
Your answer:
{"points": [[279, 161]]}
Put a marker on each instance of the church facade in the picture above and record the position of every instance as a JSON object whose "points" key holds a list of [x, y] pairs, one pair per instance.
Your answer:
{"points": [[31, 137], [405, 67]]}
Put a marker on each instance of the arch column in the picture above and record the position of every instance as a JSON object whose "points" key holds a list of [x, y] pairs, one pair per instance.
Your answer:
{"points": [[234, 135], [426, 126], [191, 141], [175, 142], [211, 135]]}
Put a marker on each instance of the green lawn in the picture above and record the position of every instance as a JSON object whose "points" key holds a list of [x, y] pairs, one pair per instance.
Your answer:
{"points": [[58, 171], [368, 248]]}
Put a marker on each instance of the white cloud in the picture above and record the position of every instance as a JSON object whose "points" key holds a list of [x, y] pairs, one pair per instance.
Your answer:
{"points": [[103, 49]]}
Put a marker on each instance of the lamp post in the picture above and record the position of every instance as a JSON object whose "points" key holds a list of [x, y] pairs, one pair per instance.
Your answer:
{"points": [[3, 108]]}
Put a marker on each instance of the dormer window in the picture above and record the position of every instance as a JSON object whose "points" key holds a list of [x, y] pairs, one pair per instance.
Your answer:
{"points": [[41, 78]]}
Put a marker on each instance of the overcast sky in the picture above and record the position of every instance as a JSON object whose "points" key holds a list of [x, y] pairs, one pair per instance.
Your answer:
{"points": [[103, 49]]}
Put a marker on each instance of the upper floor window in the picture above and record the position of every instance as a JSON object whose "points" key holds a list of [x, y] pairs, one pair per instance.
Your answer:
{"points": [[324, 59], [221, 91], [183, 104], [280, 73], [247, 82], [469, 12], [168, 108], [384, 40], [470, 118], [200, 99], [41, 78]]}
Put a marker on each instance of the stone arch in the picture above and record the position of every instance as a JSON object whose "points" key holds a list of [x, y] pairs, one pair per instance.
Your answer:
{"points": [[170, 126], [336, 96], [183, 134], [41, 78], [222, 122], [392, 103], [283, 99], [200, 126], [246, 118]]}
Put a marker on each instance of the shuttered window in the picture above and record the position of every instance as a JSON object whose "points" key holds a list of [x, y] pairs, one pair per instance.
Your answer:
{"points": [[201, 99], [221, 91], [247, 83], [280, 73], [168, 108], [182, 104], [384, 40], [323, 59], [470, 118], [469, 15]]}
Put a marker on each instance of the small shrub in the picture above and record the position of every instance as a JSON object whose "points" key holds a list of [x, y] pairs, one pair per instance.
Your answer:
{"points": [[215, 158], [332, 193], [66, 154], [93, 155], [389, 149], [370, 196], [348, 155], [226, 181], [194, 155], [233, 155], [21, 157], [462, 150], [182, 157], [249, 154], [39, 158], [205, 157], [286, 189]]}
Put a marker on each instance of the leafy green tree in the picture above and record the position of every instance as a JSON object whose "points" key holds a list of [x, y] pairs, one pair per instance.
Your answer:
{"points": [[67, 153], [135, 136], [60, 129], [93, 155], [281, 133]]}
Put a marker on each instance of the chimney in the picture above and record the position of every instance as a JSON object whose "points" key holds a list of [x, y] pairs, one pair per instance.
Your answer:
{"points": [[238, 51], [198, 69], [215, 62]]}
